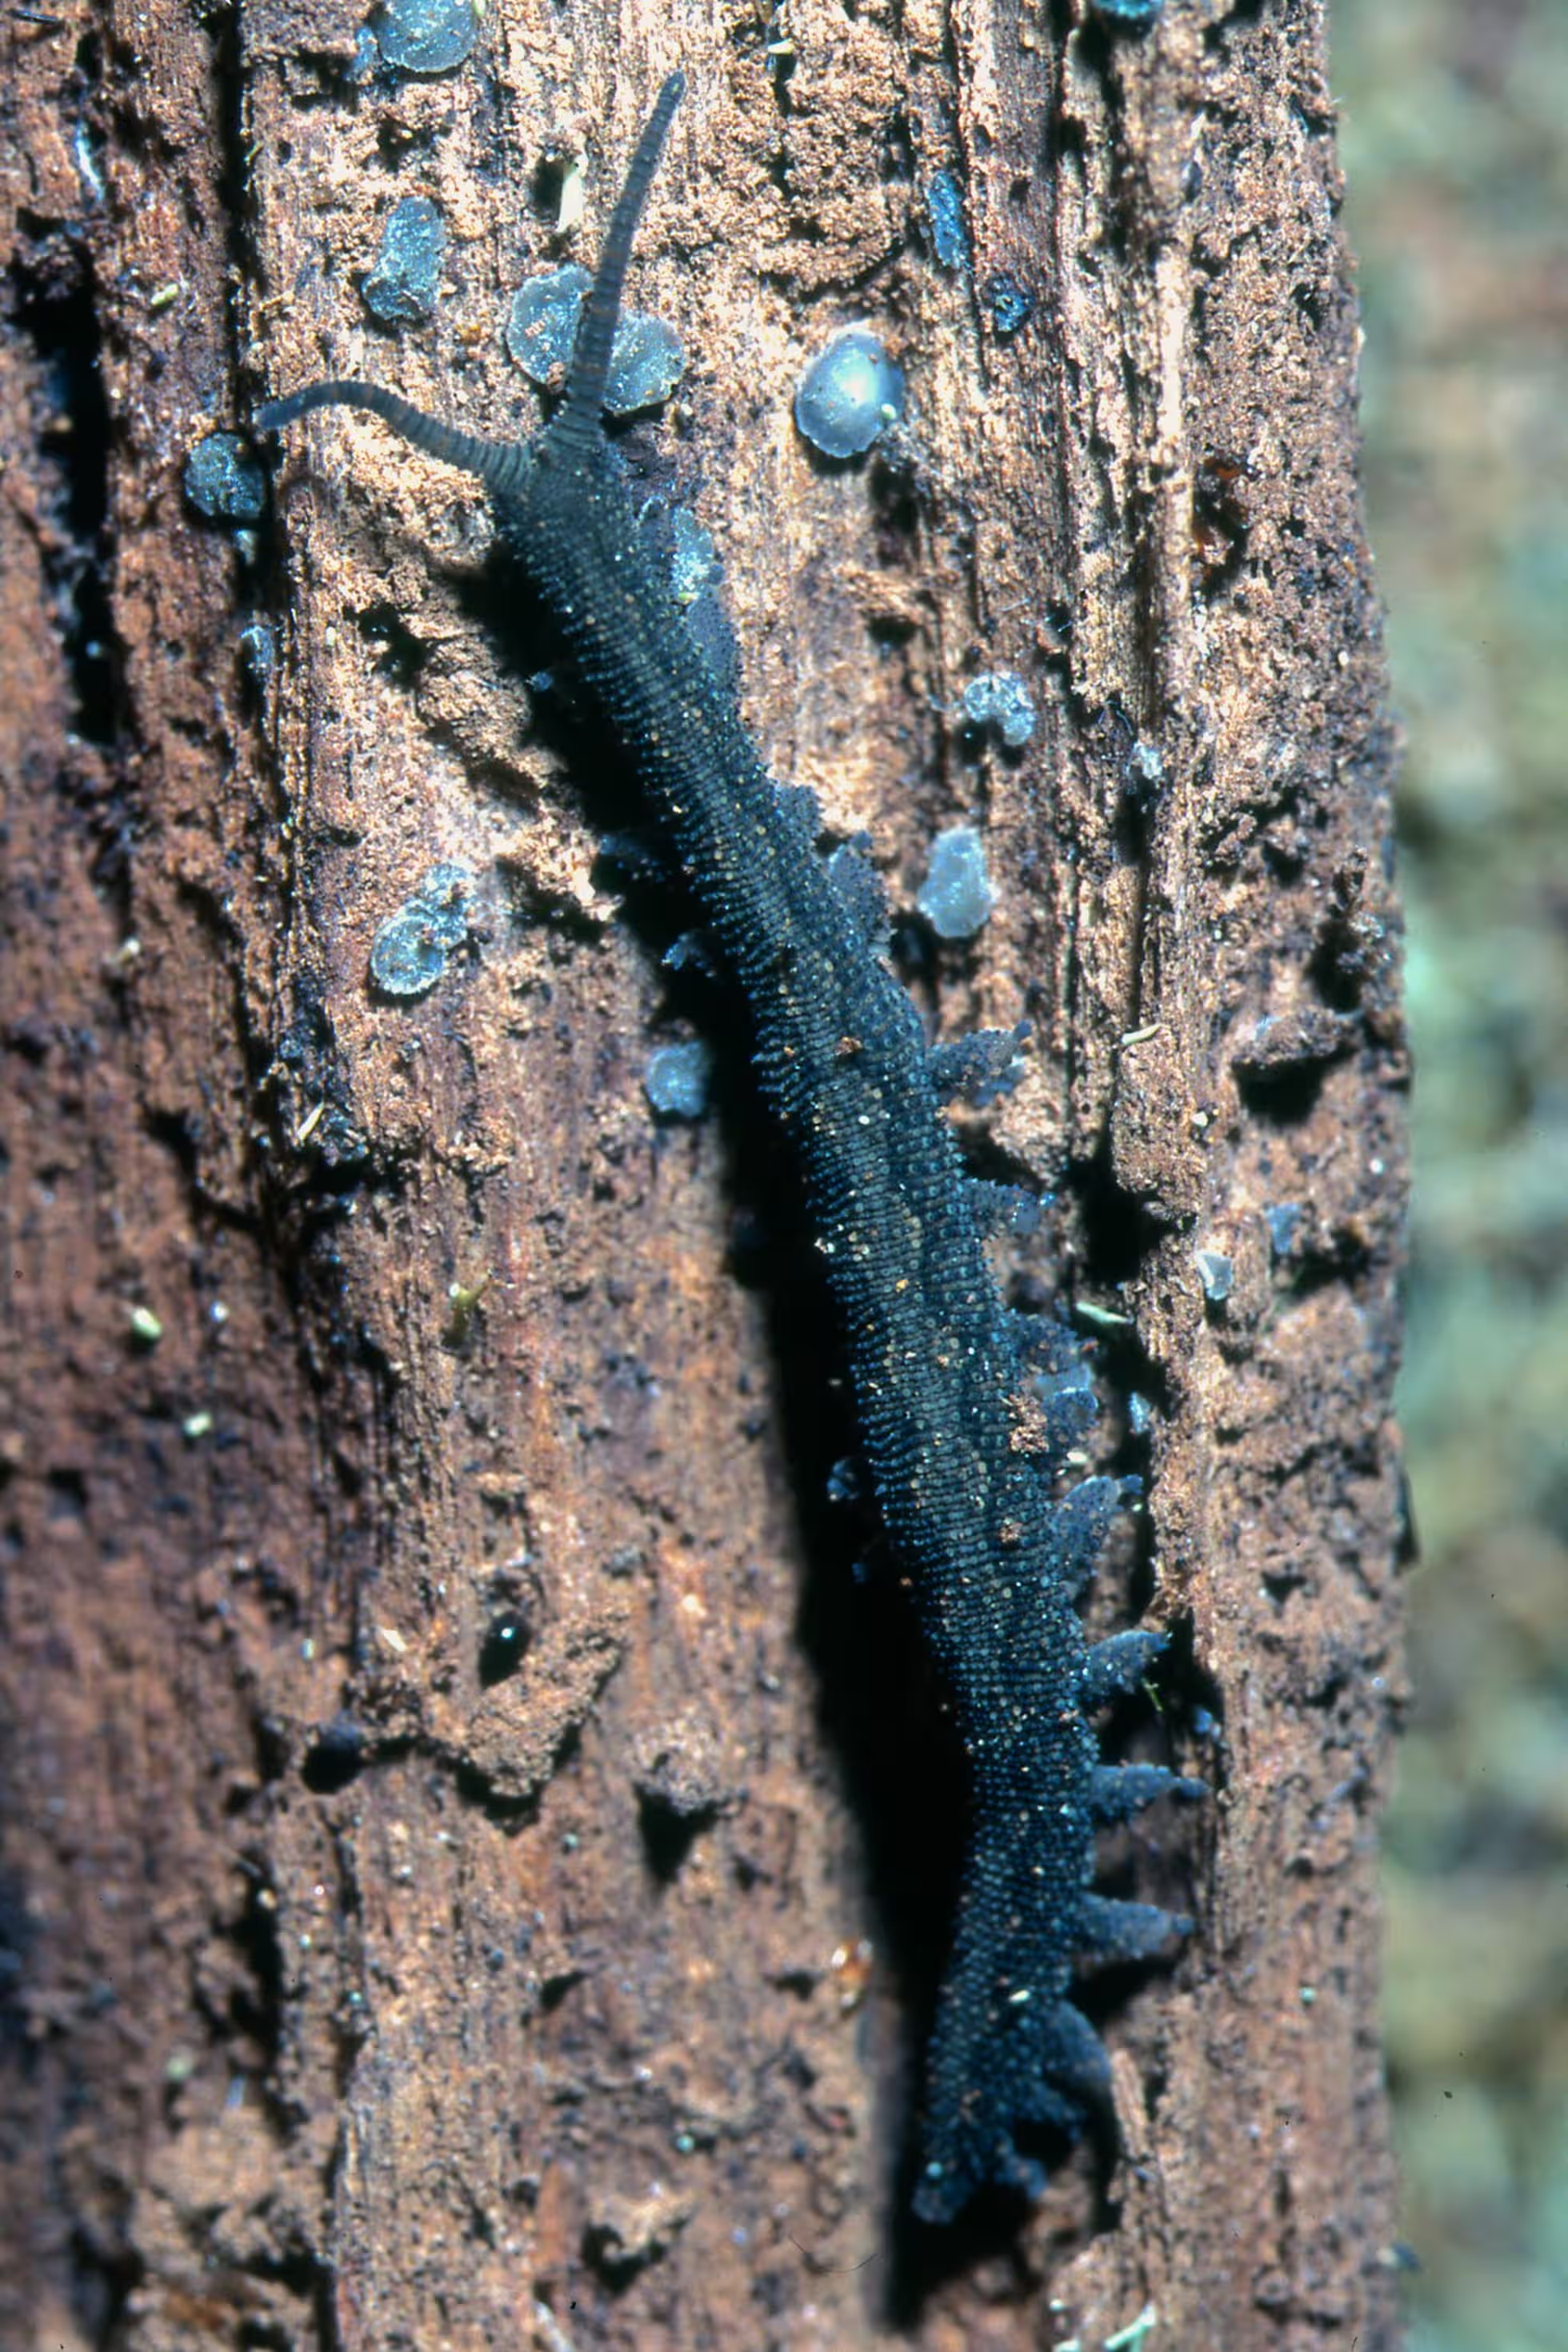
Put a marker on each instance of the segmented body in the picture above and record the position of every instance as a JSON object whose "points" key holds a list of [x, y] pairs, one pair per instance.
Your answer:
{"points": [[993, 1554]]}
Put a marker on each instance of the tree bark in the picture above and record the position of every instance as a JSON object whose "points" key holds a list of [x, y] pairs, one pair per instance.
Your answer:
{"points": [[476, 1859]]}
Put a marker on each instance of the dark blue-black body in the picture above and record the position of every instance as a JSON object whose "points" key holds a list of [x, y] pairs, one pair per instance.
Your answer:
{"points": [[964, 1445]]}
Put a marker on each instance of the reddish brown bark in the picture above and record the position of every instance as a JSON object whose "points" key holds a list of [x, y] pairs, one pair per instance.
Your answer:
{"points": [[355, 1998]]}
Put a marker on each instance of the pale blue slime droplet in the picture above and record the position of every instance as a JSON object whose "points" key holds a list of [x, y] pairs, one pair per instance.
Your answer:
{"points": [[957, 894], [646, 364], [944, 212], [543, 326], [426, 36], [401, 289], [443, 899], [406, 958], [223, 483], [998, 699], [1217, 1275], [850, 394], [408, 954], [676, 1082]]}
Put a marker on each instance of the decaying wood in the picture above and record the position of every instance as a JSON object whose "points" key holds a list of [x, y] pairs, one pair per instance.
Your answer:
{"points": [[358, 1995]]}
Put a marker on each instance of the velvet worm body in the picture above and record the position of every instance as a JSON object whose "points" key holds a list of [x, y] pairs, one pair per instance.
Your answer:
{"points": [[967, 1412]]}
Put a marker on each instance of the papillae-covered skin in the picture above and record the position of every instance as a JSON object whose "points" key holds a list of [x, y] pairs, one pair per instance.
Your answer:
{"points": [[965, 1479]]}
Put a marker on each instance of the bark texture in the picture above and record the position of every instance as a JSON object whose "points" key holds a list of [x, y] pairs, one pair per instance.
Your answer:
{"points": [[476, 1860]]}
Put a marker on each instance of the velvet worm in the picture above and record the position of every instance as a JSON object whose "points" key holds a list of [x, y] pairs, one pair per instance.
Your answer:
{"points": [[967, 1412]]}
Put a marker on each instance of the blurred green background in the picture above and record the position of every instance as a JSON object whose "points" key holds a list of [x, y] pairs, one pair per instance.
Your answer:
{"points": [[1455, 138]]}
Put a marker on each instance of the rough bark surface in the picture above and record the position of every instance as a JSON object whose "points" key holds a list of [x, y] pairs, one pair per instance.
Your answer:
{"points": [[359, 1993]]}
